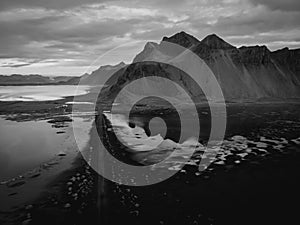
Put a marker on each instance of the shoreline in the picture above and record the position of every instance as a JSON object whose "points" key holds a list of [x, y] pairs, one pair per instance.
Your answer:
{"points": [[52, 179], [62, 205], [61, 199]]}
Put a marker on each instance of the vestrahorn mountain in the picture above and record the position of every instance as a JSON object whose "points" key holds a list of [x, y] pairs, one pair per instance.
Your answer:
{"points": [[245, 73]]}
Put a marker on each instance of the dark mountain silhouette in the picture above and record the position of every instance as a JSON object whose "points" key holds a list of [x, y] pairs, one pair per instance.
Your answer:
{"points": [[252, 72]]}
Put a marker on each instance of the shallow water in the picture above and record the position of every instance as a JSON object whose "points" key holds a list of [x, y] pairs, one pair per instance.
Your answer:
{"points": [[24, 145], [27, 145], [33, 154], [40, 93]]}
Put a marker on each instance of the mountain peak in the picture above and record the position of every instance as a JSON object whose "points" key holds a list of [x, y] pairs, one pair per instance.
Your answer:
{"points": [[150, 45], [215, 42], [182, 38], [149, 48]]}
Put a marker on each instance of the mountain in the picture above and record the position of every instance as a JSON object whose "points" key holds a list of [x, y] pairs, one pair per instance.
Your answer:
{"points": [[289, 59], [99, 76], [35, 79], [245, 73], [150, 52], [183, 39], [215, 42]]}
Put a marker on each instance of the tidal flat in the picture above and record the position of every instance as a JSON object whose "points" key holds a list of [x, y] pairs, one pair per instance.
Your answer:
{"points": [[45, 180]]}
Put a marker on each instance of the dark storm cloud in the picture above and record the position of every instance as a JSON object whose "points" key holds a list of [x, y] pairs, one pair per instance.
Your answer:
{"points": [[18, 37], [284, 5]]}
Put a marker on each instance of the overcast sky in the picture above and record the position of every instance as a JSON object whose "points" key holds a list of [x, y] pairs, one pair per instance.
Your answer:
{"points": [[65, 37]]}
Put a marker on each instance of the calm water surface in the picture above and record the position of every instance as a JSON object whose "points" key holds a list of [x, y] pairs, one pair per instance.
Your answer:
{"points": [[40, 93], [24, 145]]}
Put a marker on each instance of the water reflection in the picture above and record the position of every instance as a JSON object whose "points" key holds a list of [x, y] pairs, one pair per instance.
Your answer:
{"points": [[40, 93]]}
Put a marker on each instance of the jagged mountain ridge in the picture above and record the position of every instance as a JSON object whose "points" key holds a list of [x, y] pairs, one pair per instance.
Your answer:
{"points": [[252, 72]]}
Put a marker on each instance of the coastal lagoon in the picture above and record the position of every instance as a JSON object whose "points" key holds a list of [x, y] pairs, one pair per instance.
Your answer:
{"points": [[41, 93]]}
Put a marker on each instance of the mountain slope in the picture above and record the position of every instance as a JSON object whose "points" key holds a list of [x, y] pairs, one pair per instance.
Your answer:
{"points": [[99, 76], [243, 73]]}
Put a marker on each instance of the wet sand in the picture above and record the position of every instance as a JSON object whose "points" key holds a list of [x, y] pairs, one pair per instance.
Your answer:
{"points": [[260, 190], [260, 187], [60, 190]]}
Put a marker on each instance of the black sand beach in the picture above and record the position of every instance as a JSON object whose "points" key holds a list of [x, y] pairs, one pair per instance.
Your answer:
{"points": [[259, 188]]}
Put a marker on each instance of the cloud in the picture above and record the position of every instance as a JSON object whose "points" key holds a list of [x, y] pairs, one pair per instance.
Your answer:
{"points": [[17, 62], [63, 34], [69, 4], [251, 24], [282, 5], [70, 34], [16, 65], [258, 20], [52, 4]]}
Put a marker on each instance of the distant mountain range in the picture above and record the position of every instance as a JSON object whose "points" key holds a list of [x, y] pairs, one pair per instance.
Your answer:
{"points": [[248, 72], [35, 79]]}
